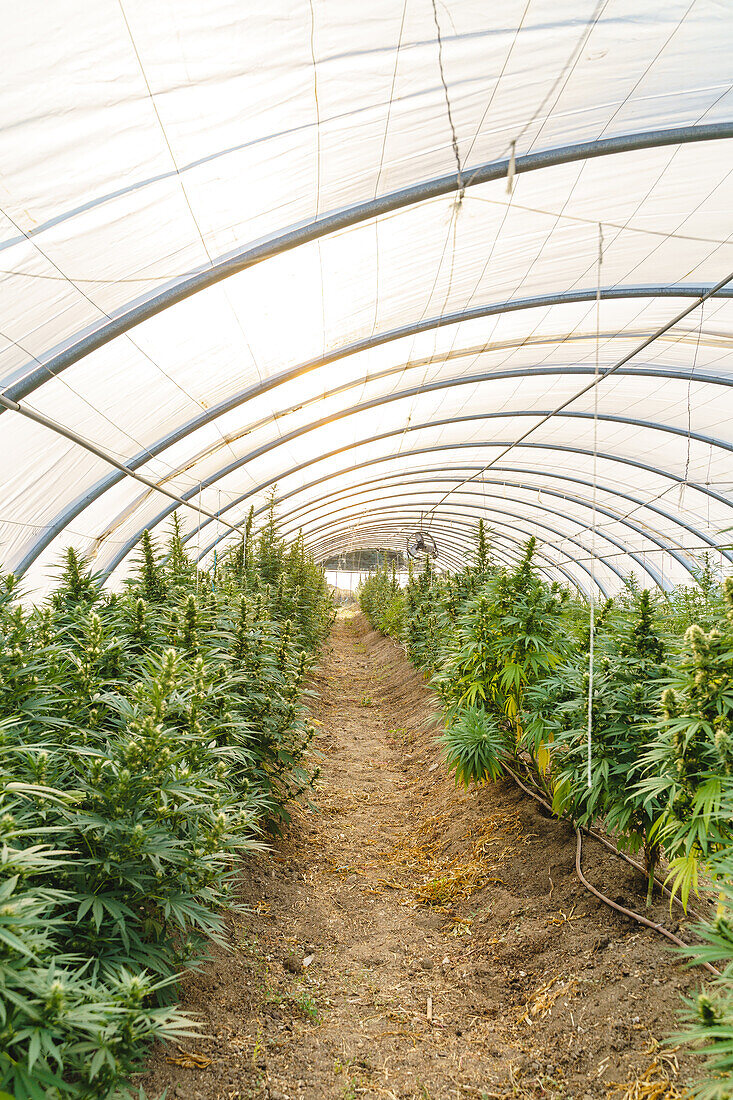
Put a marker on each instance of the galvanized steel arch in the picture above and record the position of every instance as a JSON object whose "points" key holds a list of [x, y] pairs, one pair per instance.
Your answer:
{"points": [[457, 562], [673, 551], [382, 530], [440, 470], [451, 558], [484, 510], [563, 448], [499, 532], [250, 255], [265, 448], [263, 386], [481, 511], [487, 506], [442, 525], [454, 556]]}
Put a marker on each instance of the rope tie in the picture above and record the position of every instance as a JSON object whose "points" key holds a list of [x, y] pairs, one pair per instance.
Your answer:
{"points": [[683, 483], [449, 112], [511, 171]]}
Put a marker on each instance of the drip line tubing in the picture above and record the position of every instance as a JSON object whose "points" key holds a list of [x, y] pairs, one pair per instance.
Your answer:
{"points": [[630, 912], [616, 851], [659, 928]]}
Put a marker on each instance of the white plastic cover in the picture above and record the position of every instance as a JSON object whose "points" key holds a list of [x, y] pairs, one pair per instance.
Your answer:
{"points": [[382, 352]]}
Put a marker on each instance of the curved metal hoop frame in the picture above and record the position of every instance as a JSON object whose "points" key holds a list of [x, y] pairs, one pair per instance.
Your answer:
{"points": [[136, 312]]}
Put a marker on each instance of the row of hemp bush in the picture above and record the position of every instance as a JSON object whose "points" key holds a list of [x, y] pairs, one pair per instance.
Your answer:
{"points": [[148, 740], [508, 654]]}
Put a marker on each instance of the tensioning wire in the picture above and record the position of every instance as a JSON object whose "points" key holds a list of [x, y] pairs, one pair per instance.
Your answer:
{"points": [[594, 503], [601, 376]]}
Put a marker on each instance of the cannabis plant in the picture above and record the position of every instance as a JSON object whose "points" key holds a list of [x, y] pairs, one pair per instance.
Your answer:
{"points": [[383, 602], [476, 745], [629, 667], [688, 769], [509, 635], [147, 740], [708, 1015]]}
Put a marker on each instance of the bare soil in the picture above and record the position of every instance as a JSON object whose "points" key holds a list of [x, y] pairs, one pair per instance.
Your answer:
{"points": [[409, 939]]}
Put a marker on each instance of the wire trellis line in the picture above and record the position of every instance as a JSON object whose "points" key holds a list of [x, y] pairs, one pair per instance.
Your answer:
{"points": [[596, 382]]}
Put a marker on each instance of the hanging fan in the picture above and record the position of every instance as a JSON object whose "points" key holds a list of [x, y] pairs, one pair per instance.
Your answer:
{"points": [[420, 546]]}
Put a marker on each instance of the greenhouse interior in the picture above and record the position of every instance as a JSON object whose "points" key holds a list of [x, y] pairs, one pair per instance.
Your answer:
{"points": [[366, 547]]}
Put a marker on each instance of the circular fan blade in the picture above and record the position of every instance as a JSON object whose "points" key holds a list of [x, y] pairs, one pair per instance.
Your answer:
{"points": [[421, 545]]}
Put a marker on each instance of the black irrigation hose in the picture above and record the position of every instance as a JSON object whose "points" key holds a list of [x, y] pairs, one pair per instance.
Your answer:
{"points": [[603, 897], [640, 867], [617, 852], [630, 912]]}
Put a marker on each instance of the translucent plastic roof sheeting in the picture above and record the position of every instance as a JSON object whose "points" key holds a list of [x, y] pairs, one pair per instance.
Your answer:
{"points": [[243, 248]]}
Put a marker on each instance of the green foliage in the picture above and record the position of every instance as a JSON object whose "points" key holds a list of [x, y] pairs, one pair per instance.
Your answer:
{"points": [[392, 622], [475, 745], [422, 615], [77, 587], [507, 636], [509, 656], [180, 570], [152, 580], [482, 565], [629, 667], [383, 602], [270, 550], [700, 604], [426, 621], [708, 1017], [64, 1030], [689, 768], [146, 742]]}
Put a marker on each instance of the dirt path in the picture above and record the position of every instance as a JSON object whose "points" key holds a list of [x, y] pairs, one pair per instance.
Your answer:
{"points": [[412, 940]]}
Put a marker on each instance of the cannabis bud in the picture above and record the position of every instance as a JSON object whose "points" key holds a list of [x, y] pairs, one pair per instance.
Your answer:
{"points": [[669, 703], [728, 592], [707, 1011], [722, 740], [56, 997]]}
